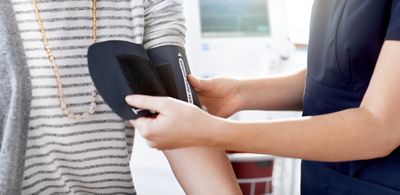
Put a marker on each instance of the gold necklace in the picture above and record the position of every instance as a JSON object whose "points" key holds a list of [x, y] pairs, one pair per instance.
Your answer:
{"points": [[64, 107]]}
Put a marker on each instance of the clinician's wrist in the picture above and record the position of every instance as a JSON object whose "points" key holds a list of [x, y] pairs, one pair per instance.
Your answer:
{"points": [[217, 133], [241, 95]]}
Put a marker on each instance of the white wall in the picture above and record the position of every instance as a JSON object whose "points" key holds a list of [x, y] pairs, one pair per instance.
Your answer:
{"points": [[298, 16]]}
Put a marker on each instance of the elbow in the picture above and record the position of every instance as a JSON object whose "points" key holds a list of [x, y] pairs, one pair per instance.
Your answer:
{"points": [[390, 130], [390, 143], [386, 150], [379, 148], [384, 135], [389, 140]]}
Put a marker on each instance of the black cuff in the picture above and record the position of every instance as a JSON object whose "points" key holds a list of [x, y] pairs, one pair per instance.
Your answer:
{"points": [[120, 68], [172, 65]]}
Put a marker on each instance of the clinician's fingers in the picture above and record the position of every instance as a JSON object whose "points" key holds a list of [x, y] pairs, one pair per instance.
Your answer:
{"points": [[143, 126], [199, 84], [147, 102]]}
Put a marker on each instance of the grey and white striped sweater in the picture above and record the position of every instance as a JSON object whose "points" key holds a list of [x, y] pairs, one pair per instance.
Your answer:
{"points": [[90, 156]]}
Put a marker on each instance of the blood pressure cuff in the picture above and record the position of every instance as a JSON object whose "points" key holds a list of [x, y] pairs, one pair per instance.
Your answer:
{"points": [[120, 68], [172, 65]]}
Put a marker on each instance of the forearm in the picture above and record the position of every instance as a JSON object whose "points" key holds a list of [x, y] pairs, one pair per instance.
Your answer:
{"points": [[353, 134], [198, 170], [370, 131], [203, 171], [276, 93]]}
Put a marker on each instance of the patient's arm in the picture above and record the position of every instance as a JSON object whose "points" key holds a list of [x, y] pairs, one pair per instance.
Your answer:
{"points": [[199, 170], [203, 171]]}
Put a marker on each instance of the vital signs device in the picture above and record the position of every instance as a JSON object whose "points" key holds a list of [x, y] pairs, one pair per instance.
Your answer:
{"points": [[235, 37]]}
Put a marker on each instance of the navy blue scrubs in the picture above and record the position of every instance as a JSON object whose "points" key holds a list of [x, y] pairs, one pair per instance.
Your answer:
{"points": [[345, 41]]}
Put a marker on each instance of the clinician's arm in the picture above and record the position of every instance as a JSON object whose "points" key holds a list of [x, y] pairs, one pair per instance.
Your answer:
{"points": [[370, 131], [199, 170], [274, 93], [225, 96]]}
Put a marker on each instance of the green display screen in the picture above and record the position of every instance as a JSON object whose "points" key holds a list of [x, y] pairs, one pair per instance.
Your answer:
{"points": [[234, 18]]}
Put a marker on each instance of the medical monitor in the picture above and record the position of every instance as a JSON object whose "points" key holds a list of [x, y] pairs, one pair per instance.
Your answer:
{"points": [[238, 38], [234, 18]]}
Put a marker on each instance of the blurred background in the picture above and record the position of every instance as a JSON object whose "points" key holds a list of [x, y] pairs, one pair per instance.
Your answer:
{"points": [[241, 39]]}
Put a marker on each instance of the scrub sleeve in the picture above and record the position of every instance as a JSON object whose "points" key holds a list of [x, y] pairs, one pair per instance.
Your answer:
{"points": [[393, 32]]}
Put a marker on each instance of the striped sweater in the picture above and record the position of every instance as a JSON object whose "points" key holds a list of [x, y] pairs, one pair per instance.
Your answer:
{"points": [[90, 156]]}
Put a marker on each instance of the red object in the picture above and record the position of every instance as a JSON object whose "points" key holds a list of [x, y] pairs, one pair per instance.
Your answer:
{"points": [[253, 172]]}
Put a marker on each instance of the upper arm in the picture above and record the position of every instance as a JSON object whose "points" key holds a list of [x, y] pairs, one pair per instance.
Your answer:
{"points": [[164, 23], [382, 97]]}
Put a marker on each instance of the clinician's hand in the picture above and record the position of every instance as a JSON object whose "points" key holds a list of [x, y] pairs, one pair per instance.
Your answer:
{"points": [[220, 95], [178, 124]]}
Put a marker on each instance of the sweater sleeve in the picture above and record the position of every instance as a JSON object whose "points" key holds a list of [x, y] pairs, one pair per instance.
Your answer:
{"points": [[164, 23], [15, 99]]}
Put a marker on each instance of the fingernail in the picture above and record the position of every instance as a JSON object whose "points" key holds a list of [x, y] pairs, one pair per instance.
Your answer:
{"points": [[130, 99], [193, 78]]}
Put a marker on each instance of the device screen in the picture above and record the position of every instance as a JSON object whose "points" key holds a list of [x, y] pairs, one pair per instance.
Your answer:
{"points": [[234, 18]]}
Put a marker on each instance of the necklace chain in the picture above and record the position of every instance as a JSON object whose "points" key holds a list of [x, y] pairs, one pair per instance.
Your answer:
{"points": [[64, 107]]}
